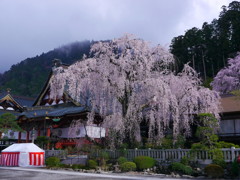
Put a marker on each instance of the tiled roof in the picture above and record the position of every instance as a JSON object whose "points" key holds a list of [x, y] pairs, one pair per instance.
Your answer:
{"points": [[23, 101], [12, 112], [53, 111], [230, 103]]}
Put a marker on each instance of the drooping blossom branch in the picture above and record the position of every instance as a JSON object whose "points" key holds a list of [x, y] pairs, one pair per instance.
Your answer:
{"points": [[228, 78], [127, 81]]}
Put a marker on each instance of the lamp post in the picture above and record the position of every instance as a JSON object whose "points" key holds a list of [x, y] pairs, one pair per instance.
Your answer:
{"points": [[33, 134]]}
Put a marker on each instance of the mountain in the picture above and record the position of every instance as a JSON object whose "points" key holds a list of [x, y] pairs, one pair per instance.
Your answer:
{"points": [[28, 77]]}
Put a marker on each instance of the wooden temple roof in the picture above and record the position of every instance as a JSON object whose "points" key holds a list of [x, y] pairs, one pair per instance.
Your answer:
{"points": [[44, 96], [12, 103], [53, 111], [230, 103]]}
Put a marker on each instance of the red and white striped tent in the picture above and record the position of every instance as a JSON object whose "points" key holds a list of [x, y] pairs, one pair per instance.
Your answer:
{"points": [[23, 155]]}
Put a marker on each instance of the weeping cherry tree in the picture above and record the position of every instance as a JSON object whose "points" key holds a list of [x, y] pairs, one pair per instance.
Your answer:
{"points": [[128, 81], [228, 78]]}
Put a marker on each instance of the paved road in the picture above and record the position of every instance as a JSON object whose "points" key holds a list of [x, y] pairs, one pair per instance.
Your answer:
{"points": [[17, 173]]}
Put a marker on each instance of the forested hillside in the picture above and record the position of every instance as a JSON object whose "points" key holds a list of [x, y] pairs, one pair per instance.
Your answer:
{"points": [[207, 49], [28, 77]]}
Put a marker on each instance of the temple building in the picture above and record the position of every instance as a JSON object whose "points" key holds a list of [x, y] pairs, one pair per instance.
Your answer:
{"points": [[230, 119], [15, 105], [50, 118]]}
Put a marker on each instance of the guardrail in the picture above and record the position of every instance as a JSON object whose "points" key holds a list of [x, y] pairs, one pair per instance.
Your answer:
{"points": [[229, 154], [56, 153]]}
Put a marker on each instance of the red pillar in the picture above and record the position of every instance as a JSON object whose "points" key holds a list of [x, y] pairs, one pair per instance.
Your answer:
{"points": [[19, 137], [27, 138], [39, 132], [48, 132], [48, 135]]}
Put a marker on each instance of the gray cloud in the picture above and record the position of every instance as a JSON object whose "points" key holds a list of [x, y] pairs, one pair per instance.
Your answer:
{"points": [[28, 28]]}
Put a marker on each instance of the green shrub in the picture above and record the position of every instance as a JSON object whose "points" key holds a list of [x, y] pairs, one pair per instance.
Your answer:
{"points": [[103, 158], [75, 166], [121, 160], [220, 162], [144, 162], [181, 168], [185, 160], [78, 166], [235, 169], [81, 166], [42, 141], [128, 166], [64, 165], [92, 164], [214, 171], [167, 142], [52, 161], [112, 161], [61, 165], [223, 144]]}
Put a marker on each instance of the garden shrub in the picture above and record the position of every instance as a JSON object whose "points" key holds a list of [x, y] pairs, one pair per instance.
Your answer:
{"points": [[75, 166], [185, 160], [52, 161], [92, 164], [123, 152], [219, 162], [181, 168], [112, 161], [64, 165], [144, 162], [78, 166], [167, 142], [103, 158], [235, 169], [214, 171], [42, 141], [164, 168], [218, 157], [121, 160], [128, 166], [223, 144]]}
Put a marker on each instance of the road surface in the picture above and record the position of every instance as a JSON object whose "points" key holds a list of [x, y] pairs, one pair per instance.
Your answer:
{"points": [[18, 173]]}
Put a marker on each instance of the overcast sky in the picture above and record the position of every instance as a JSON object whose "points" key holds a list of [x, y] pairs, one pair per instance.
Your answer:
{"points": [[30, 27]]}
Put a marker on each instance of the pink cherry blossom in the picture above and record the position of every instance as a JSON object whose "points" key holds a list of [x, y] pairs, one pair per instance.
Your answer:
{"points": [[127, 81]]}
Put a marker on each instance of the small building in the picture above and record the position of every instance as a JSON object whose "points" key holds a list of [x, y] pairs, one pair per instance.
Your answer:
{"points": [[230, 119]]}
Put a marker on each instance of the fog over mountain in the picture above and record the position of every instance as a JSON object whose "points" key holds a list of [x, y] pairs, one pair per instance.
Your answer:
{"points": [[29, 28]]}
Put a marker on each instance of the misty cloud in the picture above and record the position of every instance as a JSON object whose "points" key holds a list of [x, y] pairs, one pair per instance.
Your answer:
{"points": [[29, 28]]}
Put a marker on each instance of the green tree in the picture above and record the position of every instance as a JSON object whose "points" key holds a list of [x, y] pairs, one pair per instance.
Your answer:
{"points": [[206, 130], [8, 121], [220, 39], [208, 140]]}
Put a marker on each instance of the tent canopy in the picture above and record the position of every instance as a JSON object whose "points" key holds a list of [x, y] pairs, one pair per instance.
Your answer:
{"points": [[23, 155], [23, 147]]}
